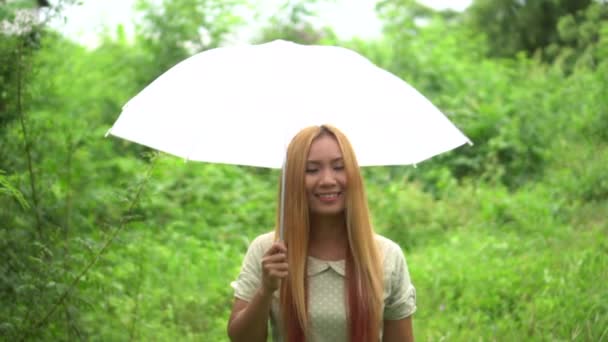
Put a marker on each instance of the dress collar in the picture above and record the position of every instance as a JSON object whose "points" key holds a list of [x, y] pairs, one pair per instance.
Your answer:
{"points": [[316, 266]]}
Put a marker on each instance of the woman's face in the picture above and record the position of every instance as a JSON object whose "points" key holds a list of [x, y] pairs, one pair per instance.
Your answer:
{"points": [[325, 177]]}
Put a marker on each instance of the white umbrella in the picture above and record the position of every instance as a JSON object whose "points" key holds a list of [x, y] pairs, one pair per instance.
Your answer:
{"points": [[243, 104]]}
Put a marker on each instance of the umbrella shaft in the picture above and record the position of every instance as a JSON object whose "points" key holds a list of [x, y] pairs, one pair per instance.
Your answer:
{"points": [[282, 204]]}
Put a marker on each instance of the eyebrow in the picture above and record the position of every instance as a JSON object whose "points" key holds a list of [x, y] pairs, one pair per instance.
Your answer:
{"points": [[319, 162]]}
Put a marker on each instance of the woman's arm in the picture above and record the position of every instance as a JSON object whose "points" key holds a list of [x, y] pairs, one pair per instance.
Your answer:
{"points": [[400, 330], [249, 320]]}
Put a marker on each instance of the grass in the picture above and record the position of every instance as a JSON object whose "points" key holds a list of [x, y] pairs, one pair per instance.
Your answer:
{"points": [[508, 268]]}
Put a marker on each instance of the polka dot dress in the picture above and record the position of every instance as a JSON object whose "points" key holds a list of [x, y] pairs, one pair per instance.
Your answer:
{"points": [[326, 300], [327, 309]]}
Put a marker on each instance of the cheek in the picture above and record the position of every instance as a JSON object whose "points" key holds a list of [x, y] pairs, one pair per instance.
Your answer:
{"points": [[342, 179], [309, 182]]}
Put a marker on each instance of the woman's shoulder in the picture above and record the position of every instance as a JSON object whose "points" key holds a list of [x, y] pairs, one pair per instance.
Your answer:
{"points": [[258, 246], [386, 244], [263, 241], [390, 250]]}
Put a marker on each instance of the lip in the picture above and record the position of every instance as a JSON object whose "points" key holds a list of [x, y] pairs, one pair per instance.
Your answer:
{"points": [[326, 197]]}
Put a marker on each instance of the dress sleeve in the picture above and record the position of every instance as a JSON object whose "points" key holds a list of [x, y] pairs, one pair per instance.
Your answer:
{"points": [[401, 300], [250, 277]]}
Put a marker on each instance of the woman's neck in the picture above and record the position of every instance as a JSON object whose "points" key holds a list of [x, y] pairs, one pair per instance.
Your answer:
{"points": [[328, 237]]}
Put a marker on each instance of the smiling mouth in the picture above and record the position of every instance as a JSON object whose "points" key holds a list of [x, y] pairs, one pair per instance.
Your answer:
{"points": [[328, 197]]}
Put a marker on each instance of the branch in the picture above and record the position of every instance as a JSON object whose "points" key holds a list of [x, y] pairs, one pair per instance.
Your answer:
{"points": [[96, 258], [26, 140]]}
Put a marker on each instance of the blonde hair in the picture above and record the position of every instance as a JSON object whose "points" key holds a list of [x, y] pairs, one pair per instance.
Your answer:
{"points": [[364, 275]]}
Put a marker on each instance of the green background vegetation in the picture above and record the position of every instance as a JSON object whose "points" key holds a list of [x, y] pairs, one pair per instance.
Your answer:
{"points": [[506, 240]]}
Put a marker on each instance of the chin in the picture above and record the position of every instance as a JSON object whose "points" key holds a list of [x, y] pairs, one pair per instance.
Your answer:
{"points": [[328, 212]]}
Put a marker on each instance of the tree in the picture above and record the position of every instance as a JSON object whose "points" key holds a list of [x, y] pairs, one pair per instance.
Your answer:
{"points": [[579, 38], [293, 21], [174, 30], [513, 26]]}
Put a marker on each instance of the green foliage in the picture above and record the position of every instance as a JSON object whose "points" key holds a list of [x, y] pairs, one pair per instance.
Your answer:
{"points": [[499, 265], [293, 22], [505, 239], [514, 26], [579, 35], [505, 286], [172, 30], [8, 46], [7, 189]]}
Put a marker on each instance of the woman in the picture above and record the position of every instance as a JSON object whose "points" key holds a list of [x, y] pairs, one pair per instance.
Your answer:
{"points": [[332, 279]]}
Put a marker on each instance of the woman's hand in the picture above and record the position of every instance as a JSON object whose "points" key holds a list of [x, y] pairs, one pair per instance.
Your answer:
{"points": [[274, 267], [249, 319]]}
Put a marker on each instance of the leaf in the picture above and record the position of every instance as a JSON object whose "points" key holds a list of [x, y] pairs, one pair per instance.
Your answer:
{"points": [[7, 188]]}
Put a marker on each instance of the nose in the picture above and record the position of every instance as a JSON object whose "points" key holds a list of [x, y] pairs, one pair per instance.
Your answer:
{"points": [[327, 177]]}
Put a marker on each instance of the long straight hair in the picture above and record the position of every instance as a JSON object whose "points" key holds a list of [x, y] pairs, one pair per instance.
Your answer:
{"points": [[364, 276]]}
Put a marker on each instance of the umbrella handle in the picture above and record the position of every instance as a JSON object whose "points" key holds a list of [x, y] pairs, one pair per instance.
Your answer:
{"points": [[282, 204]]}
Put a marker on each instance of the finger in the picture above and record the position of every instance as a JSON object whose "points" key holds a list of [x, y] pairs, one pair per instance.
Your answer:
{"points": [[267, 267], [277, 247], [281, 246], [283, 266], [274, 258]]}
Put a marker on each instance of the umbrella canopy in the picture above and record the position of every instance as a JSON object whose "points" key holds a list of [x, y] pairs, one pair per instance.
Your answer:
{"points": [[243, 104]]}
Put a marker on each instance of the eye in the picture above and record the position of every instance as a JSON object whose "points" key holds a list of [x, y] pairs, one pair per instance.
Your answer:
{"points": [[339, 167], [308, 170]]}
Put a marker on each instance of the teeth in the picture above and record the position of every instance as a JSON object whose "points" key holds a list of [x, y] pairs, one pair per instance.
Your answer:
{"points": [[328, 195]]}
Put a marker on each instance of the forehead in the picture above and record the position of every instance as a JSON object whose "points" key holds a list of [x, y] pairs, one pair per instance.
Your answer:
{"points": [[324, 147]]}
